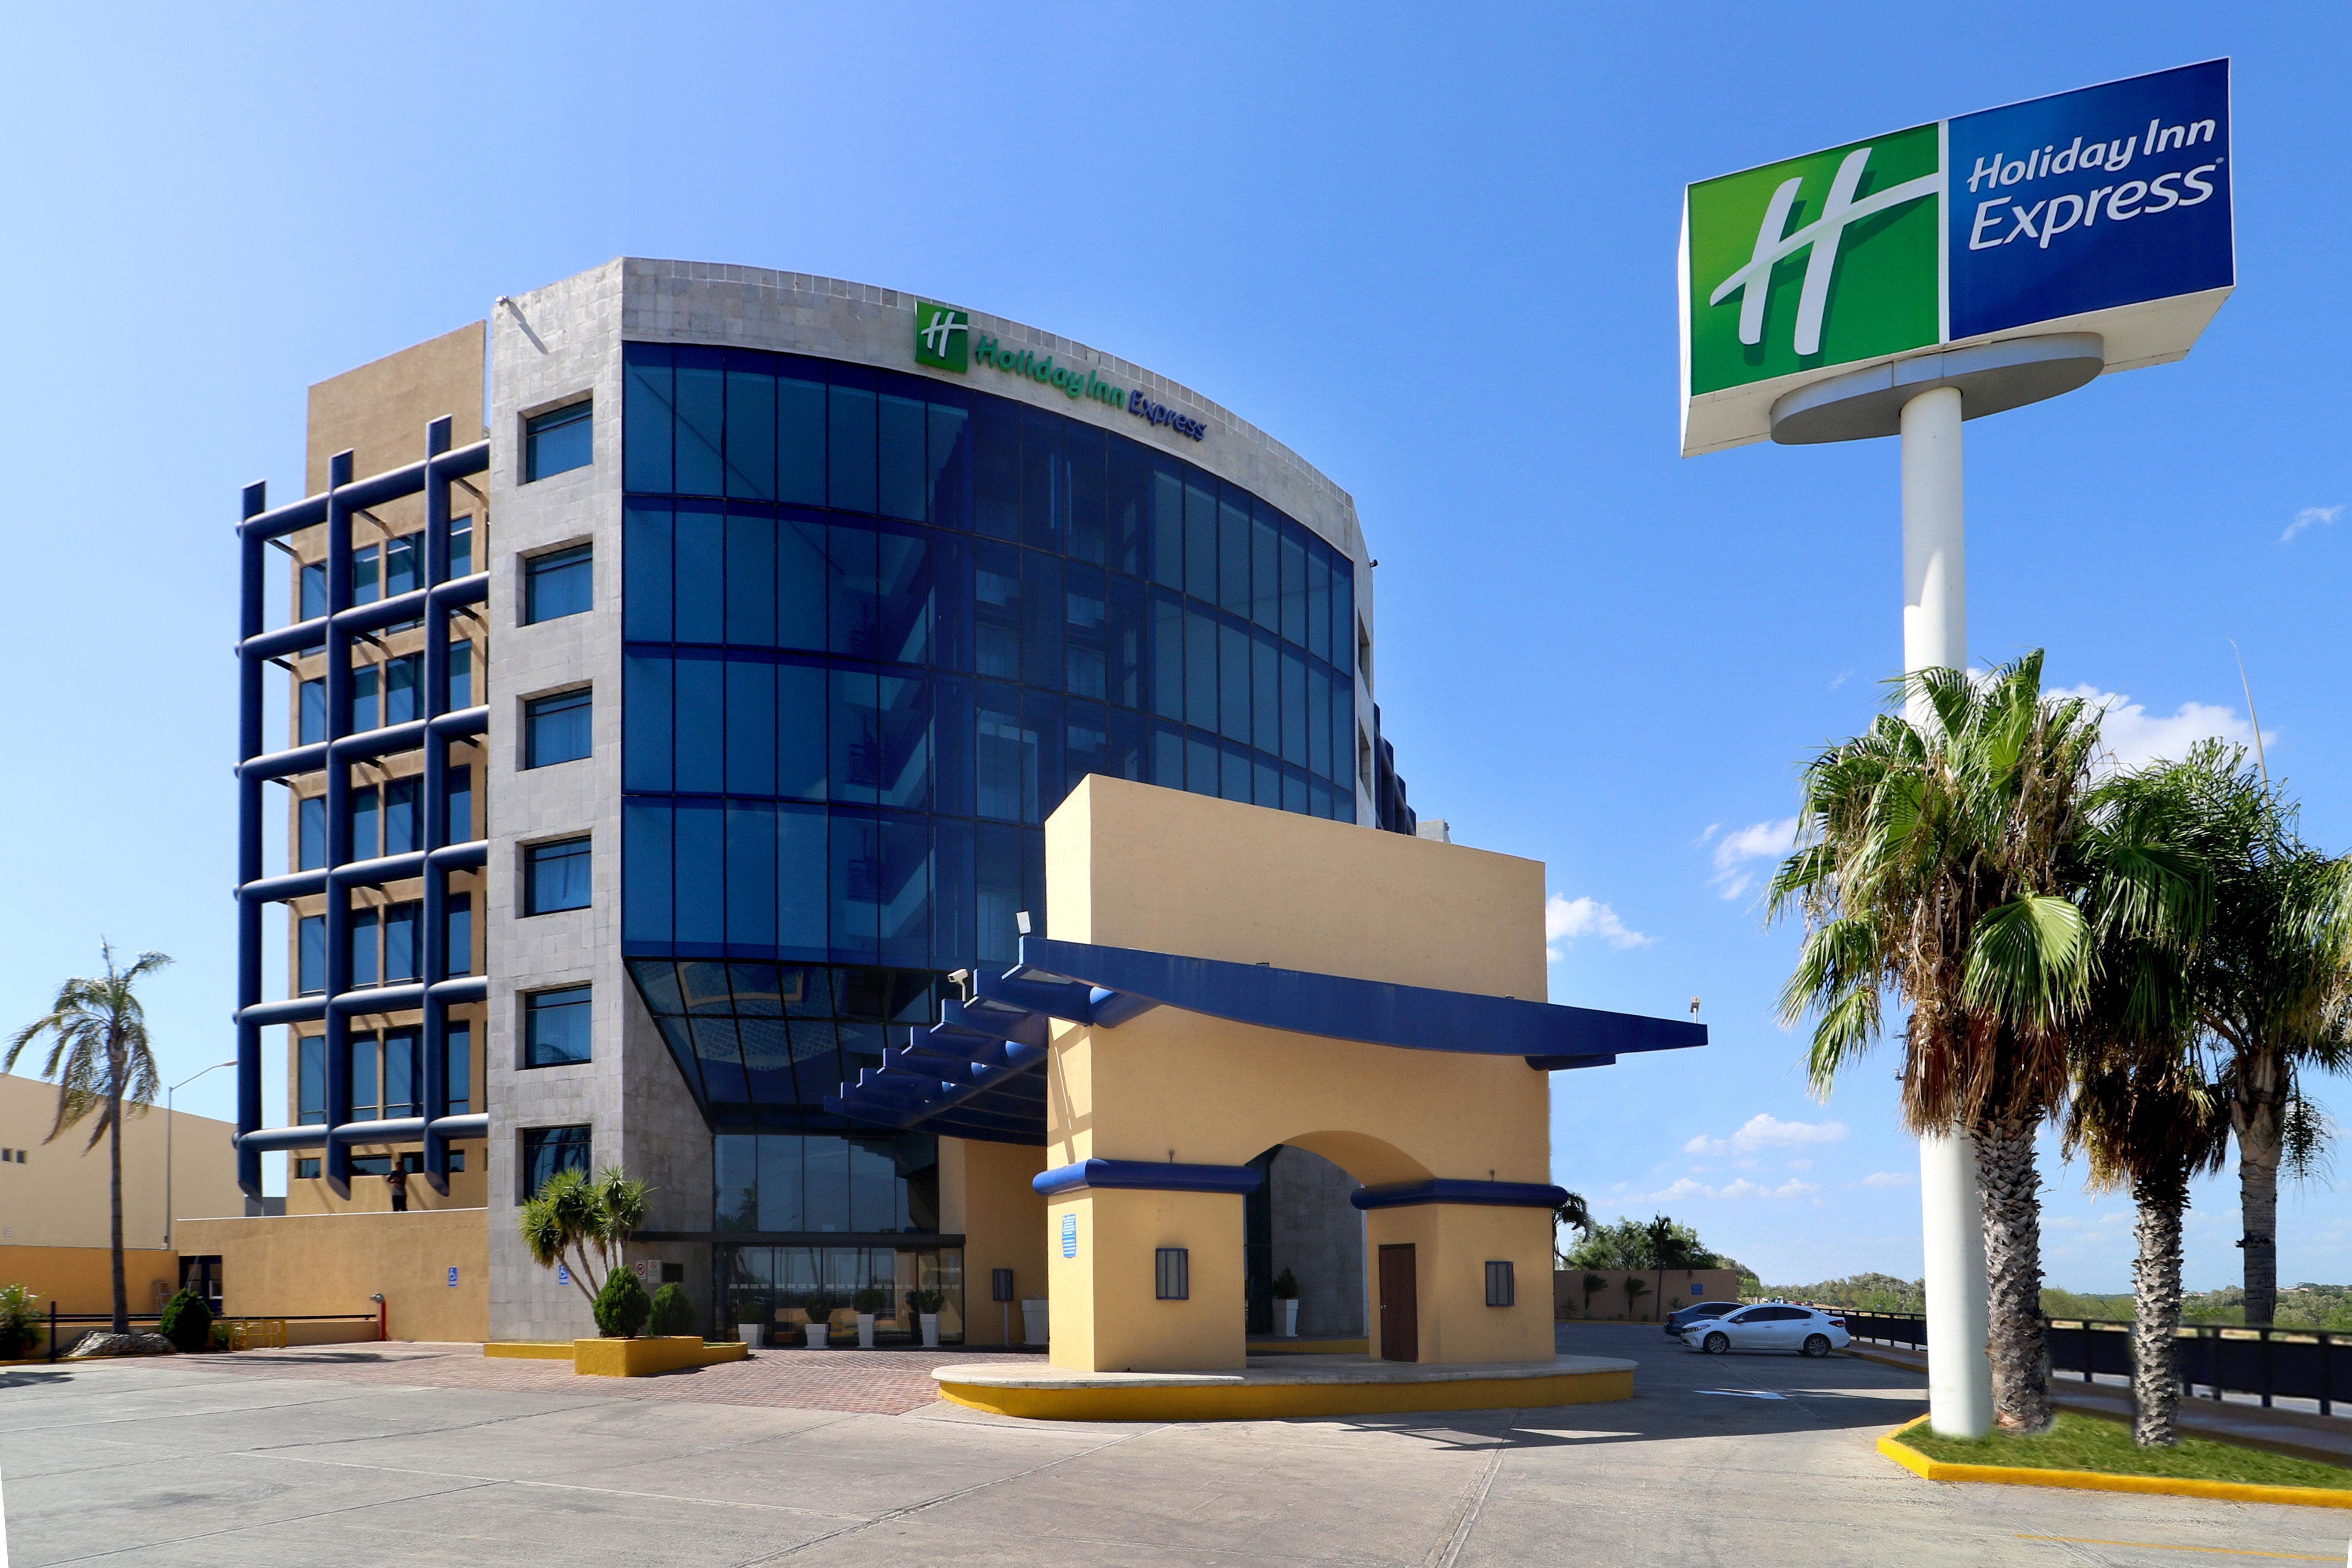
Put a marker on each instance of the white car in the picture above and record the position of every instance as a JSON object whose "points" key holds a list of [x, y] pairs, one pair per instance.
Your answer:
{"points": [[1769, 1326]]}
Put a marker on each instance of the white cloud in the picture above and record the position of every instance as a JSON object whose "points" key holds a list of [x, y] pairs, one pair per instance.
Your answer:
{"points": [[2308, 517], [1801, 1164], [1887, 1179], [2135, 736], [1566, 919], [1764, 1131], [1735, 851], [1685, 1187]]}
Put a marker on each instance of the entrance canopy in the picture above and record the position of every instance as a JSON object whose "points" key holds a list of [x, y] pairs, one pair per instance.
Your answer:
{"points": [[980, 1071]]}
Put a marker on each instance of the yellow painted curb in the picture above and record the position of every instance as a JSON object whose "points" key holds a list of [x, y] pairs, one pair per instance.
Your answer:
{"points": [[1920, 1464], [1274, 1401], [529, 1350], [644, 1357]]}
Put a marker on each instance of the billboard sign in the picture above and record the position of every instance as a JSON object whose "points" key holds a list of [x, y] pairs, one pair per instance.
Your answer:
{"points": [[2104, 210]]}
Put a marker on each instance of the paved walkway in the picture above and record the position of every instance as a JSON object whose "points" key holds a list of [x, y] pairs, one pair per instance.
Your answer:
{"points": [[2304, 1434], [868, 1383], [1730, 1462]]}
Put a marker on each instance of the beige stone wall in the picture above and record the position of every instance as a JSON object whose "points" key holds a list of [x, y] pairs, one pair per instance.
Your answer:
{"points": [[1684, 1288], [57, 1194], [293, 1265]]}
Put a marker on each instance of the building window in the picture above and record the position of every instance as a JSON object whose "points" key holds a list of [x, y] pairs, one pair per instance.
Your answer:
{"points": [[556, 1026], [403, 1076], [1502, 1289], [459, 952], [313, 591], [402, 955], [555, 876], [310, 955], [363, 698], [461, 546], [363, 824], [555, 729], [461, 676], [404, 564], [546, 1150], [310, 836], [1175, 1269], [364, 947], [314, 724], [306, 1168], [402, 825], [459, 1043], [310, 1079], [367, 586], [461, 804], [363, 1058], [557, 442], [557, 583]]}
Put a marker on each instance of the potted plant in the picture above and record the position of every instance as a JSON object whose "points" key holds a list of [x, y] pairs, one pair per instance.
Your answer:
{"points": [[819, 1307], [926, 1305], [753, 1327], [867, 1302], [1285, 1303]]}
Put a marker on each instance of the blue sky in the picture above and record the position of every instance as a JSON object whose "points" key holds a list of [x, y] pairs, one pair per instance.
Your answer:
{"points": [[1433, 252]]}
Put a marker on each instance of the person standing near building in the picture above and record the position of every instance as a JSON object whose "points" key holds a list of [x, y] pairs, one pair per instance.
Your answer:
{"points": [[396, 1180]]}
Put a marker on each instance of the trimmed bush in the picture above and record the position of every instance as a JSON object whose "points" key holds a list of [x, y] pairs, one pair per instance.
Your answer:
{"points": [[187, 1322], [622, 1306], [672, 1312], [870, 1301], [1285, 1286], [20, 1324], [927, 1302]]}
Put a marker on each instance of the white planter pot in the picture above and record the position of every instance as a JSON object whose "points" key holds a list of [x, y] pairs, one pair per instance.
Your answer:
{"points": [[866, 1331], [1289, 1318], [751, 1333], [930, 1331], [818, 1336], [1036, 1324]]}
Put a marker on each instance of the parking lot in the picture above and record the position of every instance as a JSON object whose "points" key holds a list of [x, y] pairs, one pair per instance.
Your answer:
{"points": [[427, 1459]]}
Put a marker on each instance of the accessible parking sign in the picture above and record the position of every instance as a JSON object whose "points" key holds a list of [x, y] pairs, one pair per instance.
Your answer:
{"points": [[2104, 210]]}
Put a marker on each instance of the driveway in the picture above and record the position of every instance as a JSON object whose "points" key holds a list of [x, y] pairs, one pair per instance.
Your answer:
{"points": [[1740, 1460]]}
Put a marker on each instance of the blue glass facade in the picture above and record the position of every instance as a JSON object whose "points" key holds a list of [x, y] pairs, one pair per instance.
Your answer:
{"points": [[875, 629]]}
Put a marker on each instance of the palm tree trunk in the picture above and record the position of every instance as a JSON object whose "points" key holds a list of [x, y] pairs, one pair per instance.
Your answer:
{"points": [[2255, 1115], [2010, 1189], [2155, 1308], [114, 1164]]}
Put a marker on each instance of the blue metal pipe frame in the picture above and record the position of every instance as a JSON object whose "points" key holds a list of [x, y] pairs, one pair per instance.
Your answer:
{"points": [[332, 633]]}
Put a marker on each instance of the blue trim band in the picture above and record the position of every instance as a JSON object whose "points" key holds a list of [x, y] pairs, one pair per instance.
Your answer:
{"points": [[1494, 1195], [1148, 1176]]}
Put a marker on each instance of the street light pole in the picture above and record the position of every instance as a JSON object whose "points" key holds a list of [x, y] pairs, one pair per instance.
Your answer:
{"points": [[169, 1120]]}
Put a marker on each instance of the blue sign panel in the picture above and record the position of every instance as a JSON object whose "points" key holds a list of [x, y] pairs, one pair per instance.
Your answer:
{"points": [[1069, 1236], [453, 1276], [2110, 195]]}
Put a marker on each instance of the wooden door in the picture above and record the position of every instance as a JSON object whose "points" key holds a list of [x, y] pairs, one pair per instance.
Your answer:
{"points": [[1399, 1305]]}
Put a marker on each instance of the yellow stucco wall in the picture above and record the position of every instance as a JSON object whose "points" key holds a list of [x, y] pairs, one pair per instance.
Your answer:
{"points": [[468, 1188], [1129, 1328], [58, 1196], [81, 1278], [985, 1195], [1131, 866], [291, 1264]]}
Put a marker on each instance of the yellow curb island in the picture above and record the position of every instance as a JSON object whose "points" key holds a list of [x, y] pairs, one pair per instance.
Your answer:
{"points": [[1266, 1402], [623, 1358], [1920, 1464]]}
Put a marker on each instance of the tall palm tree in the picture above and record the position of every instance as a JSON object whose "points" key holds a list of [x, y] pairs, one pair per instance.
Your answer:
{"points": [[1936, 859], [2142, 1108], [1572, 1211], [99, 1060], [2272, 987]]}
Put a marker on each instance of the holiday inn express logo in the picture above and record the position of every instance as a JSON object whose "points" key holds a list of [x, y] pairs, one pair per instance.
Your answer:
{"points": [[942, 336], [1821, 260]]}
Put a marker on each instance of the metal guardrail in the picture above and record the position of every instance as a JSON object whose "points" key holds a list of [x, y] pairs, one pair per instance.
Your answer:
{"points": [[2222, 1358], [246, 1332]]}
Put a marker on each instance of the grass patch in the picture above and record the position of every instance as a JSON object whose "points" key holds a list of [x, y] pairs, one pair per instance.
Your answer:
{"points": [[2088, 1442]]}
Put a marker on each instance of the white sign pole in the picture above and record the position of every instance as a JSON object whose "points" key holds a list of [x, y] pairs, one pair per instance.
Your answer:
{"points": [[1936, 636]]}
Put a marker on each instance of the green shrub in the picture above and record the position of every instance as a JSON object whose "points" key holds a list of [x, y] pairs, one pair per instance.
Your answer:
{"points": [[870, 1301], [222, 1338], [622, 1306], [672, 1313], [1285, 1286], [20, 1324], [927, 1302], [187, 1322]]}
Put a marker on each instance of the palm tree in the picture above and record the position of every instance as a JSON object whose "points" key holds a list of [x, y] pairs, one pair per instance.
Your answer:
{"points": [[1938, 855], [2271, 986], [99, 1060], [2142, 1109], [1672, 1247], [1635, 1288], [1593, 1282], [1572, 1211], [583, 1221]]}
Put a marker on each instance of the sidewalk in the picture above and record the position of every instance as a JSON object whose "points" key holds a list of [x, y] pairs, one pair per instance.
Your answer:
{"points": [[2305, 1436]]}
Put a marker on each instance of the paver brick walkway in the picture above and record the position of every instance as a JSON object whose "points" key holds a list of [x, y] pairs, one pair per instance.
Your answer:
{"points": [[868, 1383]]}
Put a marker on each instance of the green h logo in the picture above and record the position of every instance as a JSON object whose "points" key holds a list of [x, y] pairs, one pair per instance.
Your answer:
{"points": [[942, 337], [1822, 260]]}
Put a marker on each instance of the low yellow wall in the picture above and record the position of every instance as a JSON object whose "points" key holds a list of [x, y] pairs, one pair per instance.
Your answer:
{"points": [[1452, 1245], [1682, 1287], [1107, 1314], [298, 1265], [81, 1278]]}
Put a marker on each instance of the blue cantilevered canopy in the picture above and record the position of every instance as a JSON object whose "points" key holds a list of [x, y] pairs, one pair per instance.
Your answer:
{"points": [[979, 1072]]}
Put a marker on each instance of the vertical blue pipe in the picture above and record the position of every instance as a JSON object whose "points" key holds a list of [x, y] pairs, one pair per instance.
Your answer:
{"points": [[435, 965], [338, 1167], [251, 616]]}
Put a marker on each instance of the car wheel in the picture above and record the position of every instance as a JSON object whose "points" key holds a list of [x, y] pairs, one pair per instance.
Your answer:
{"points": [[1717, 1343], [1817, 1344]]}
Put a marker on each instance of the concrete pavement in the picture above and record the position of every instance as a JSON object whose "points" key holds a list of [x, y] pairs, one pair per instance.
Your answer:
{"points": [[1740, 1460]]}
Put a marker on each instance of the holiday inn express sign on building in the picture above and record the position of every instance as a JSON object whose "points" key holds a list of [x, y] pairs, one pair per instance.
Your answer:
{"points": [[2104, 210]]}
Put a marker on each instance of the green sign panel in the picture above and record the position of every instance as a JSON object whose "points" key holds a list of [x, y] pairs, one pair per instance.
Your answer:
{"points": [[942, 336], [1822, 261]]}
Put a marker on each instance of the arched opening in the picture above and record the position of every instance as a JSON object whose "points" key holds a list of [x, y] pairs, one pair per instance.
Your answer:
{"points": [[1300, 1222]]}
